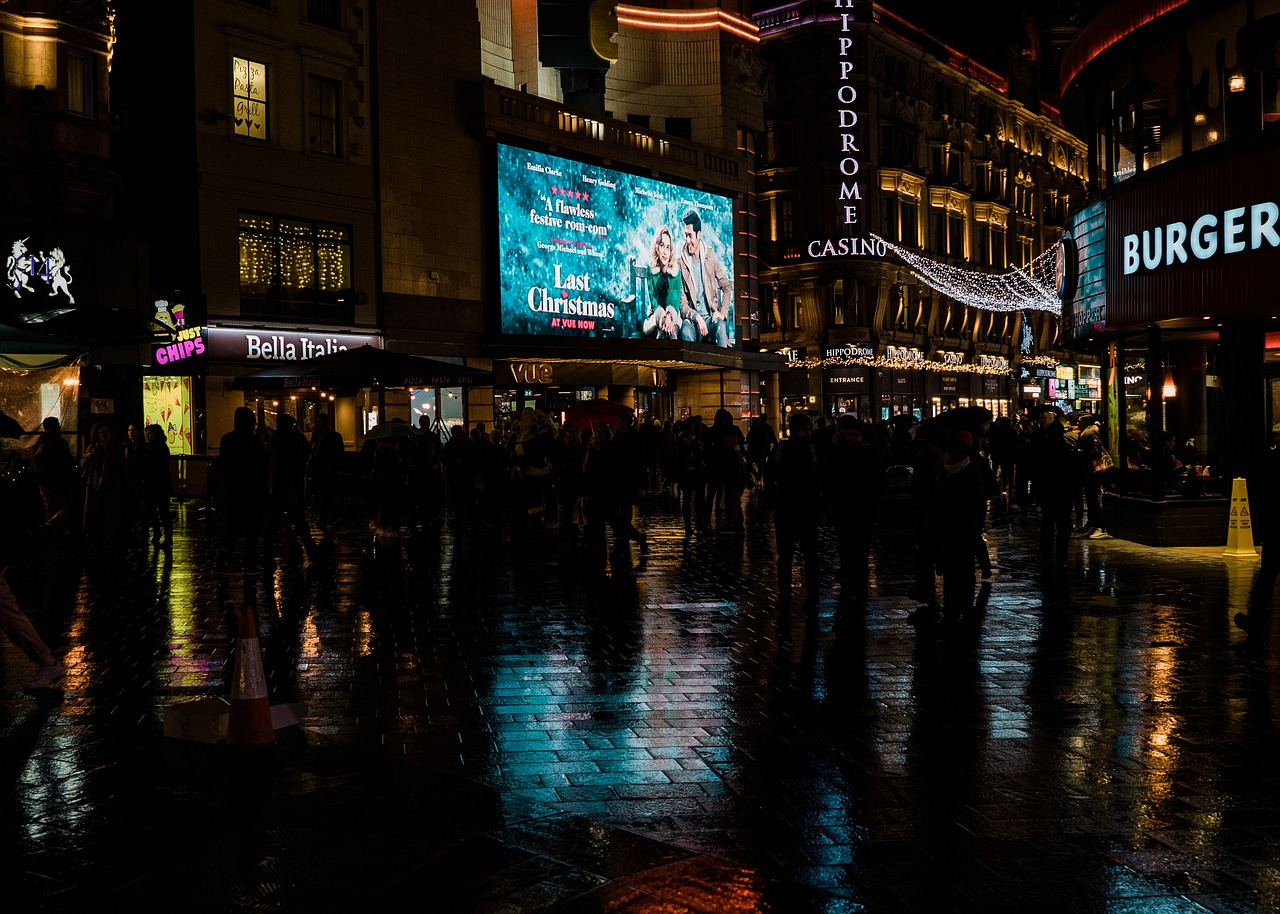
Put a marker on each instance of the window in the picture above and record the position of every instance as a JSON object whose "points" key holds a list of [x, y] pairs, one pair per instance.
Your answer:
{"points": [[249, 95], [797, 312], [681, 127], [786, 218], [295, 268], [638, 120], [323, 123], [80, 84], [838, 312], [955, 234], [324, 12]]}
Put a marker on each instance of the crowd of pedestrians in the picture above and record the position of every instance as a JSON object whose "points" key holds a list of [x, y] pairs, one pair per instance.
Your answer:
{"points": [[531, 476]]}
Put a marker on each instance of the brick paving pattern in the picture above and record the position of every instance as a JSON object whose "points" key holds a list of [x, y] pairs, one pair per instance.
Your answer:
{"points": [[508, 723]]}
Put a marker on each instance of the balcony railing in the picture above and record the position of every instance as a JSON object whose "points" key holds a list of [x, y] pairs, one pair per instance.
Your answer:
{"points": [[518, 113]]}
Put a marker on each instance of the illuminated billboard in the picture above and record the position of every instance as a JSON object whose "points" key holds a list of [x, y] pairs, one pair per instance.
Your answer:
{"points": [[585, 251]]}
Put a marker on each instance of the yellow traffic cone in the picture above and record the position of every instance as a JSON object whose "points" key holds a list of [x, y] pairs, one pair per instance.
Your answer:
{"points": [[1240, 524], [249, 719]]}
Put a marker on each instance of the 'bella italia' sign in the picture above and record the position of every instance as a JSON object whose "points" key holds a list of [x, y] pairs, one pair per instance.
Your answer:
{"points": [[261, 346]]}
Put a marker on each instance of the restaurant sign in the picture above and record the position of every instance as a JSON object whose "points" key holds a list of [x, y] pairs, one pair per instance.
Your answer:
{"points": [[260, 346]]}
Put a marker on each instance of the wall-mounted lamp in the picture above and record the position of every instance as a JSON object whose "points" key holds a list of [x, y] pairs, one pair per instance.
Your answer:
{"points": [[1170, 389], [1199, 119], [1235, 82]]}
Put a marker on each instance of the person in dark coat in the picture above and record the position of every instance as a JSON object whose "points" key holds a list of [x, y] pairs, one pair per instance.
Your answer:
{"points": [[956, 505], [853, 480], [157, 488], [793, 489], [241, 487], [460, 459], [109, 490], [287, 461], [690, 471], [57, 476], [19, 493], [1055, 468], [327, 449]]}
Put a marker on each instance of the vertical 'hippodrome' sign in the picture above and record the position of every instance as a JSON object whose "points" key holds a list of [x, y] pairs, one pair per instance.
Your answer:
{"points": [[850, 238], [847, 120]]}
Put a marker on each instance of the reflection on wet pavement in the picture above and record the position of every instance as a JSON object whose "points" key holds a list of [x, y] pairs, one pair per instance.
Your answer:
{"points": [[506, 722]]}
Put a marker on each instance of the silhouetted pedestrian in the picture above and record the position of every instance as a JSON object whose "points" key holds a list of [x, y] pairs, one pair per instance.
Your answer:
{"points": [[853, 481], [327, 448], [58, 478], [157, 488], [108, 490], [23, 514], [241, 487], [1054, 467], [287, 461], [957, 503], [793, 490]]}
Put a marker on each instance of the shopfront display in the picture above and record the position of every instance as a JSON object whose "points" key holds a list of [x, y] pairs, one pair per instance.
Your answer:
{"points": [[167, 401]]}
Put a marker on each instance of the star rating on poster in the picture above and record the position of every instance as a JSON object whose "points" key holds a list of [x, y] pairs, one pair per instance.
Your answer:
{"points": [[570, 193]]}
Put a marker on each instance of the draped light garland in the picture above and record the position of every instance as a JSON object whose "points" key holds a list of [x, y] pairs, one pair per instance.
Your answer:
{"points": [[1032, 287], [881, 361]]}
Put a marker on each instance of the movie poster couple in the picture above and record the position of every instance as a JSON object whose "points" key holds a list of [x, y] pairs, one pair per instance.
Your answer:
{"points": [[690, 294]]}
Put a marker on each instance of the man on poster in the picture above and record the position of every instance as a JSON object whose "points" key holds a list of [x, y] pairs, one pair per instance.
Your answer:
{"points": [[707, 299]]}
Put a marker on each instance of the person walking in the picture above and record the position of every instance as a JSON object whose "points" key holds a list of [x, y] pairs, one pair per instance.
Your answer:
{"points": [[327, 448], [793, 490], [287, 463], [853, 480], [727, 443], [958, 502], [23, 515], [1054, 471], [760, 441], [108, 490], [59, 482], [690, 471], [241, 488], [157, 488]]}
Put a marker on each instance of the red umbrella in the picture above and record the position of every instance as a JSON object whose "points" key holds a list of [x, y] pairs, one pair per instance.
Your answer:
{"points": [[586, 414]]}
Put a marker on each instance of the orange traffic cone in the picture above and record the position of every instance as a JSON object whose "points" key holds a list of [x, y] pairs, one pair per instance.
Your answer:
{"points": [[249, 720]]}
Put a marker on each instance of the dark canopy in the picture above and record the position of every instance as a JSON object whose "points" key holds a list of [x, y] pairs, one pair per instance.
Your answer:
{"points": [[365, 366], [24, 348], [97, 325]]}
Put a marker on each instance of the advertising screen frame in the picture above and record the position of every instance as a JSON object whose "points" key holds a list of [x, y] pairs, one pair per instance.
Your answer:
{"points": [[577, 253]]}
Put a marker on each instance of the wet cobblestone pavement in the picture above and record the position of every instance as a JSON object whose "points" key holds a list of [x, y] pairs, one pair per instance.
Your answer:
{"points": [[515, 725]]}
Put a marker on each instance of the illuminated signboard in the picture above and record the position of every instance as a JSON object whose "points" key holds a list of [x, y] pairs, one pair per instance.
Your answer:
{"points": [[259, 346], [181, 354], [37, 270], [585, 251]]}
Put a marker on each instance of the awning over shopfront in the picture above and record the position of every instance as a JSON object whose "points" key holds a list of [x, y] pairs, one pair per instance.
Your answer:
{"points": [[24, 349], [364, 366], [97, 325]]}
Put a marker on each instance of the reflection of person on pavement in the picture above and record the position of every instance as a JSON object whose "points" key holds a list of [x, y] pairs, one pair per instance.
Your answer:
{"points": [[707, 290], [663, 319]]}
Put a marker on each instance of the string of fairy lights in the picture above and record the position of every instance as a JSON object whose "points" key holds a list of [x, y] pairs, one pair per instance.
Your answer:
{"points": [[1032, 287], [1029, 288], [1000, 368]]}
